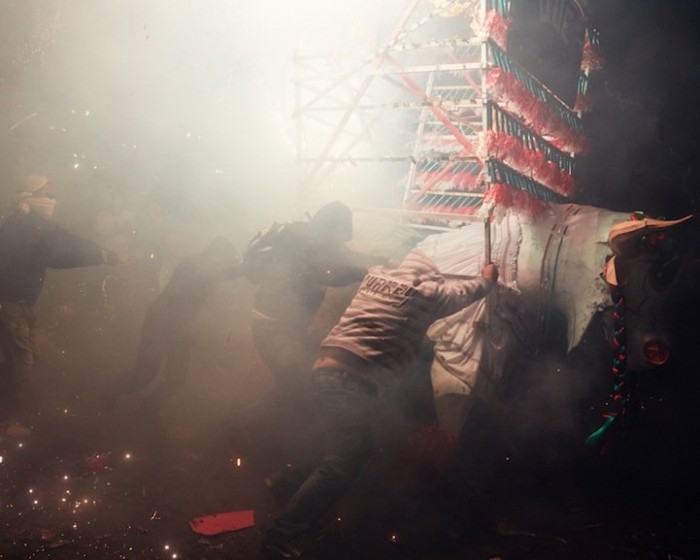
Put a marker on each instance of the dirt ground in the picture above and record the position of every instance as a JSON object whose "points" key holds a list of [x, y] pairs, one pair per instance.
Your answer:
{"points": [[126, 484]]}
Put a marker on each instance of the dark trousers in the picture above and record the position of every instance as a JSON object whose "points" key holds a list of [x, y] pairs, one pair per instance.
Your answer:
{"points": [[164, 348], [17, 346], [280, 428], [346, 408], [288, 353], [168, 354]]}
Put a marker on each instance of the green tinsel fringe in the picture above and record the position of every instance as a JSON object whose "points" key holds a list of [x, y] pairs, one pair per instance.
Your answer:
{"points": [[594, 438]]}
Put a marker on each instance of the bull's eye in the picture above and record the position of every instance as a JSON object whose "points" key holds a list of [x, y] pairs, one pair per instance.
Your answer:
{"points": [[653, 244], [656, 352], [663, 274]]}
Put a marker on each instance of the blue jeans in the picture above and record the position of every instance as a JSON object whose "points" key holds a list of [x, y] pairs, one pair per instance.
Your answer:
{"points": [[345, 404]]}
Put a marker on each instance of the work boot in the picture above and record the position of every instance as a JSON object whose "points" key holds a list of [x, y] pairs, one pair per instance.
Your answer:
{"points": [[282, 484], [283, 551], [315, 543]]}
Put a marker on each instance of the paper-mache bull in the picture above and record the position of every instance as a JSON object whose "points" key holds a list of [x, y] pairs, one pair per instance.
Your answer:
{"points": [[578, 261]]}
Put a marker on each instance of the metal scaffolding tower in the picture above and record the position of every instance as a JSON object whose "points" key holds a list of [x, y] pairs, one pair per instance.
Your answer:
{"points": [[439, 119]]}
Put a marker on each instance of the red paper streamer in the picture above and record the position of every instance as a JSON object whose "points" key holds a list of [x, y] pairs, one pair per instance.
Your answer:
{"points": [[496, 27], [592, 60], [531, 163], [542, 119], [504, 196]]}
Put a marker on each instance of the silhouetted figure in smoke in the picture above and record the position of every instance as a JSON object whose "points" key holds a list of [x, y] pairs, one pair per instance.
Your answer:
{"points": [[166, 334], [293, 264], [31, 242], [371, 346]]}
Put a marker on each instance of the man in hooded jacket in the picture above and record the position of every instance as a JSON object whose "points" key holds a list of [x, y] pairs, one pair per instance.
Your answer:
{"points": [[31, 242], [309, 256], [370, 347], [302, 260], [166, 333]]}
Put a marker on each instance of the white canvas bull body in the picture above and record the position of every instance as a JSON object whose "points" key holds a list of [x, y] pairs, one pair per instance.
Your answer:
{"points": [[555, 262]]}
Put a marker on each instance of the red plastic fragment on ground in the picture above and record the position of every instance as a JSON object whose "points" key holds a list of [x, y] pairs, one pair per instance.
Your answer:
{"points": [[223, 522]]}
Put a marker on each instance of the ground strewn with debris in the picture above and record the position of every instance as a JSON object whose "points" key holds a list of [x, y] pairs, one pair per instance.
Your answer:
{"points": [[126, 484]]}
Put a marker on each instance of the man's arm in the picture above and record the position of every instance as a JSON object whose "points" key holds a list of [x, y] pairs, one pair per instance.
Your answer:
{"points": [[456, 295], [67, 250]]}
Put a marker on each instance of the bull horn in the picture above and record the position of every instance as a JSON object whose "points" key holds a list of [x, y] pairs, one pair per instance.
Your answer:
{"points": [[621, 233]]}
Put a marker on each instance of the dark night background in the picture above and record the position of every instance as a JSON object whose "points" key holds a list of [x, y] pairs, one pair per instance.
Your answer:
{"points": [[126, 174], [645, 145], [645, 157]]}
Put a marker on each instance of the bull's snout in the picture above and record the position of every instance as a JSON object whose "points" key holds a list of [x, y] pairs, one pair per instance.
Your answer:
{"points": [[647, 351], [656, 352]]}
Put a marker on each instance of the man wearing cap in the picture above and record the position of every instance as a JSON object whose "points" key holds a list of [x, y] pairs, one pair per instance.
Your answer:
{"points": [[31, 242], [301, 260], [309, 256]]}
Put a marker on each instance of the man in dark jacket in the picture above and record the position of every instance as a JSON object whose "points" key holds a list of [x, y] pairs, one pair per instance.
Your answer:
{"points": [[375, 340], [292, 273], [31, 242], [308, 258], [166, 334]]}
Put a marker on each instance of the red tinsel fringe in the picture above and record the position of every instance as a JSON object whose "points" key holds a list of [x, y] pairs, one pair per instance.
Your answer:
{"points": [[505, 197], [496, 27], [531, 163], [584, 103], [591, 60], [544, 120]]}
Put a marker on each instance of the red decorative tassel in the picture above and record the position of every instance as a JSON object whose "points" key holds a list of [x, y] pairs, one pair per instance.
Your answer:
{"points": [[496, 27]]}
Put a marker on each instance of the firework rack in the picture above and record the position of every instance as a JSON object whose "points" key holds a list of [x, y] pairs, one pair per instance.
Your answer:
{"points": [[441, 119]]}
